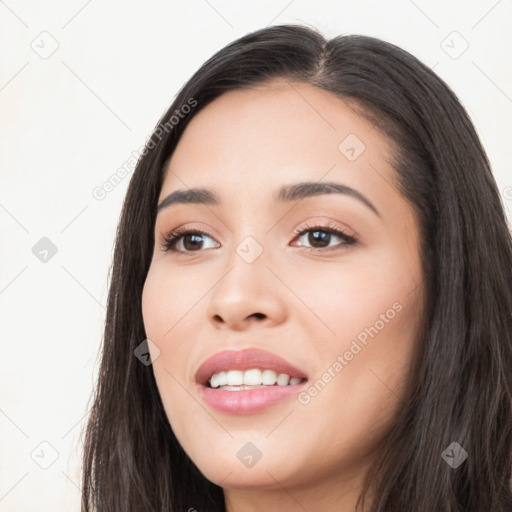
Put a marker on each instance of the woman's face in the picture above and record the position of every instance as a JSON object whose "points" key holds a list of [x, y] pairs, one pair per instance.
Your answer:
{"points": [[344, 311]]}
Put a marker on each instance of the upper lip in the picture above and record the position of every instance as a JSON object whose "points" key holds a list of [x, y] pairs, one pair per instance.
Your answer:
{"points": [[245, 360]]}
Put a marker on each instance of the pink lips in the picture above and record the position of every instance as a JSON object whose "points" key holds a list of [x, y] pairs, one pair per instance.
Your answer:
{"points": [[251, 400]]}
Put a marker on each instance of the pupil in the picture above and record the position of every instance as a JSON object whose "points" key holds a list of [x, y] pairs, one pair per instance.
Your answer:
{"points": [[197, 241], [322, 238]]}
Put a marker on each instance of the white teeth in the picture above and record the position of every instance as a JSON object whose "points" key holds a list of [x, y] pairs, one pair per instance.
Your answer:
{"points": [[252, 377], [283, 379], [268, 377], [235, 378]]}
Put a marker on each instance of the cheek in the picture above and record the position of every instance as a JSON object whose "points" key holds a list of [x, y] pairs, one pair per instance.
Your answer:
{"points": [[361, 381], [373, 311], [159, 316], [166, 297], [166, 300], [355, 295], [153, 308]]}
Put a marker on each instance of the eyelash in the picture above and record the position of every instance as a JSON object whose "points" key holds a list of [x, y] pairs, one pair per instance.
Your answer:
{"points": [[169, 240]]}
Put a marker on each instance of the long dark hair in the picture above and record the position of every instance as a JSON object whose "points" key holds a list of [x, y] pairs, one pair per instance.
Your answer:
{"points": [[461, 390]]}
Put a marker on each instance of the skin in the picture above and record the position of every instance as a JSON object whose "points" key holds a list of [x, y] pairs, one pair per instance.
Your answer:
{"points": [[308, 307]]}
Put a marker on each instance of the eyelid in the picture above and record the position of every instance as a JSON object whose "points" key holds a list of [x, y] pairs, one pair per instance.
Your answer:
{"points": [[327, 226]]}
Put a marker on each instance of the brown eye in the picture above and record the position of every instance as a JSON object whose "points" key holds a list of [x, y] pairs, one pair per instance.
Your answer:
{"points": [[320, 236], [191, 240]]}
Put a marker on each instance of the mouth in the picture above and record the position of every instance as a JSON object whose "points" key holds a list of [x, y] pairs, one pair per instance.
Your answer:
{"points": [[250, 367], [248, 381]]}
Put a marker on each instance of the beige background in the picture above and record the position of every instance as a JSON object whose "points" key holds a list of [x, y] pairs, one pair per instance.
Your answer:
{"points": [[71, 118]]}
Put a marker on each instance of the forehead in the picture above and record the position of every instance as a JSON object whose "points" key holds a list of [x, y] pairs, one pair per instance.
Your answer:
{"points": [[277, 133]]}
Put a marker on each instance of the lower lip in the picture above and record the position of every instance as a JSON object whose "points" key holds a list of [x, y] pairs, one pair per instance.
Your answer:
{"points": [[248, 401]]}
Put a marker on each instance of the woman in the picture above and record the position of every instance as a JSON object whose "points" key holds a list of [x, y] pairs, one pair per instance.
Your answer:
{"points": [[342, 337]]}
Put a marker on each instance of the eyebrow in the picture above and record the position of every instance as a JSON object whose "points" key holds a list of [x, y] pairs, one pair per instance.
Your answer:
{"points": [[287, 193]]}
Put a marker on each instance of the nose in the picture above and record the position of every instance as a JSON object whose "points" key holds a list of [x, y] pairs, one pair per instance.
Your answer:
{"points": [[247, 294]]}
